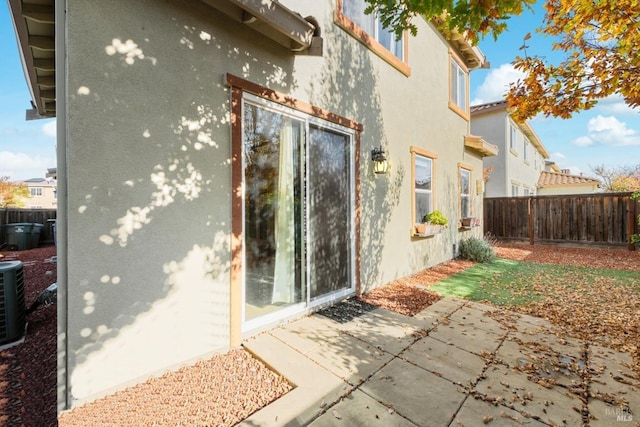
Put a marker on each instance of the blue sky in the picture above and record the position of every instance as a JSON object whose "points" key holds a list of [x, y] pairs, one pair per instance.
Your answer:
{"points": [[608, 134]]}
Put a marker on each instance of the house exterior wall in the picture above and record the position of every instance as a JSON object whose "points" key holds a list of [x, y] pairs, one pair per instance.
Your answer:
{"points": [[47, 199], [510, 165], [493, 128], [148, 166]]}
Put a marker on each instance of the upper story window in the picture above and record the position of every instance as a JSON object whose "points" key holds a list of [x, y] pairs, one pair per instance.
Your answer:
{"points": [[526, 149], [512, 137], [423, 171], [368, 29], [35, 191], [458, 86]]}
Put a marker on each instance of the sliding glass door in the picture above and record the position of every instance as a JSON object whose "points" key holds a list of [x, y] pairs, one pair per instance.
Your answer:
{"points": [[298, 212], [330, 212]]}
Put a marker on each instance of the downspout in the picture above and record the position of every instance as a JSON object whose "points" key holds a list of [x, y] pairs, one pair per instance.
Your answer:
{"points": [[63, 390]]}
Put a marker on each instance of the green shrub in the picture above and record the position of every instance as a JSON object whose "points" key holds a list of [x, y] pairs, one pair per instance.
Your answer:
{"points": [[478, 250]]}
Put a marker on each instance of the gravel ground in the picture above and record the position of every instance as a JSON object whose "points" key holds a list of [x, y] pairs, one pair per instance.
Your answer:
{"points": [[221, 391], [226, 388], [28, 370]]}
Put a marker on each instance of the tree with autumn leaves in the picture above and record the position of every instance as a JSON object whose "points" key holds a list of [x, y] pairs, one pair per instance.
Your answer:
{"points": [[600, 40], [12, 194]]}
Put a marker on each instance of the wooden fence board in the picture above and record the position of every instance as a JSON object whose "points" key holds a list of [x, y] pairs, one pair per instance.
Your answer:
{"points": [[606, 219]]}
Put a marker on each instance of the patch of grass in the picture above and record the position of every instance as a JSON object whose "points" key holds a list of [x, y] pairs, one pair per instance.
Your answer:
{"points": [[512, 283]]}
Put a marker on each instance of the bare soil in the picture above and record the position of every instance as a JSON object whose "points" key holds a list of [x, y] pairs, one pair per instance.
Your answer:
{"points": [[227, 388]]}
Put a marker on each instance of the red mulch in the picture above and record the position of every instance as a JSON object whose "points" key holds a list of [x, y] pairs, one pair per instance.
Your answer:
{"points": [[28, 370]]}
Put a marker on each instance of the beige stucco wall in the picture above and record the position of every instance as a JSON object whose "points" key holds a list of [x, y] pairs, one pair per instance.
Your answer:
{"points": [[48, 198], [149, 171]]}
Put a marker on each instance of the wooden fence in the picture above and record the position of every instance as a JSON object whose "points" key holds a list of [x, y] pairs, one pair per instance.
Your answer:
{"points": [[598, 219], [15, 215]]}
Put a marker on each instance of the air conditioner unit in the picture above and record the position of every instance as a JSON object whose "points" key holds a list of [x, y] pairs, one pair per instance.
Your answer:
{"points": [[12, 304]]}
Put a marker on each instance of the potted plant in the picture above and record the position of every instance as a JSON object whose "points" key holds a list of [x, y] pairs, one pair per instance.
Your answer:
{"points": [[469, 222], [432, 223]]}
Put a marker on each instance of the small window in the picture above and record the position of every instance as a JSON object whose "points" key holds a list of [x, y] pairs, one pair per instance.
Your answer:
{"points": [[423, 172], [465, 193], [512, 137], [35, 191], [514, 190], [526, 149], [369, 30], [458, 83]]}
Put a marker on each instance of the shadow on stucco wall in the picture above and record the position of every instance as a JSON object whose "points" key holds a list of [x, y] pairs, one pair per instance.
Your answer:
{"points": [[150, 184], [348, 84]]}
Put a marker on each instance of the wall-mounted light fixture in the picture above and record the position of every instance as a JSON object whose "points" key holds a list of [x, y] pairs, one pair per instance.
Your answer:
{"points": [[380, 162]]}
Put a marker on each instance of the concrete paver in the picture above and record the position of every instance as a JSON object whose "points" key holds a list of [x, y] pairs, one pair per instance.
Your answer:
{"points": [[456, 363], [386, 330], [477, 412], [360, 410], [471, 339], [349, 358], [416, 394], [510, 387], [306, 334], [314, 386], [477, 316], [445, 360]]}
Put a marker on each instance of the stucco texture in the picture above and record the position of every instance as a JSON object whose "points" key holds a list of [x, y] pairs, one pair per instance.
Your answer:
{"points": [[149, 171]]}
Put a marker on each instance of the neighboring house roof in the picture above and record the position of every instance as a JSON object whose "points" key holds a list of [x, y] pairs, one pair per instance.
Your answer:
{"points": [[503, 106], [556, 179]]}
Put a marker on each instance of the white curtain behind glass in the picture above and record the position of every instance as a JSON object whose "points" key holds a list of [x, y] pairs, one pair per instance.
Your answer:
{"points": [[284, 287]]}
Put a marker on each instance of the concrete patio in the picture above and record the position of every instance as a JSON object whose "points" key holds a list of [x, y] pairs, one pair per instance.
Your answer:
{"points": [[457, 363]]}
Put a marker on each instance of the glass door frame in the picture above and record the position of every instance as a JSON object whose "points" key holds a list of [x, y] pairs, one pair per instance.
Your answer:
{"points": [[308, 304]]}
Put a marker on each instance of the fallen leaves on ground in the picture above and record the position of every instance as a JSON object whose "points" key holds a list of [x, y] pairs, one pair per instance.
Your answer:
{"points": [[596, 311], [409, 295]]}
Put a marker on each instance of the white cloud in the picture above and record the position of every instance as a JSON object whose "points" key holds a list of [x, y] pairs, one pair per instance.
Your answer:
{"points": [[496, 85], [20, 166], [560, 159], [615, 105], [582, 141], [608, 131], [49, 129]]}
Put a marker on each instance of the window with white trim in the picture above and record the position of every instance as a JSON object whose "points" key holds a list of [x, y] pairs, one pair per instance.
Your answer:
{"points": [[512, 137], [423, 173], [458, 85], [354, 10], [35, 191], [465, 193], [526, 149]]}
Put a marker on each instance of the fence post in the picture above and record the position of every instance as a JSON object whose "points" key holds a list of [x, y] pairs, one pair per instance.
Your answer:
{"points": [[531, 212], [631, 222]]}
